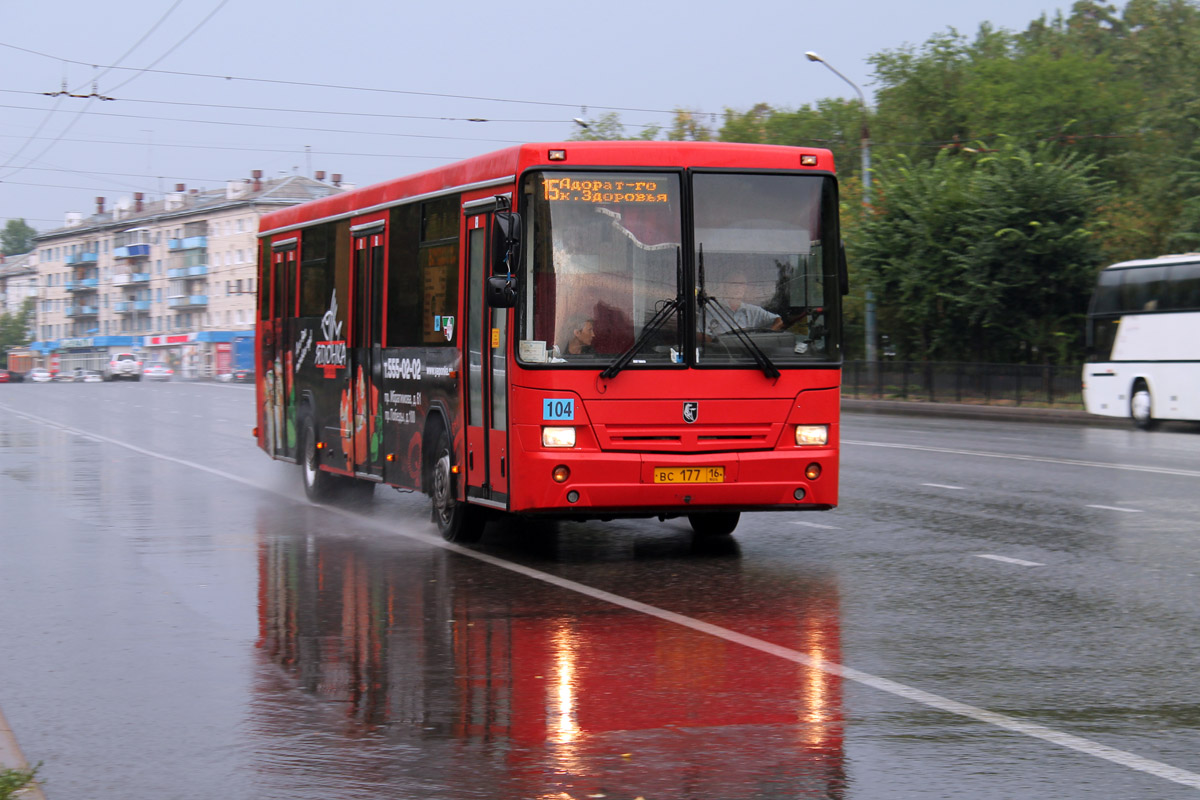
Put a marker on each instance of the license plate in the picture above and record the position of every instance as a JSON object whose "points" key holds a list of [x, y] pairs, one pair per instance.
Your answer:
{"points": [[689, 474]]}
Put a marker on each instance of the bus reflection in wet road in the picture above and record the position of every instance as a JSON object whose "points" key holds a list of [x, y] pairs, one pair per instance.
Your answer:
{"points": [[434, 675]]}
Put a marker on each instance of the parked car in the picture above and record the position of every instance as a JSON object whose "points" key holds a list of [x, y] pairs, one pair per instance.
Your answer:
{"points": [[242, 375], [157, 371], [40, 375], [124, 365], [89, 376], [7, 376], [68, 375]]}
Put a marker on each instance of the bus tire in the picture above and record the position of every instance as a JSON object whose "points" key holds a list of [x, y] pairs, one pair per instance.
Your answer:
{"points": [[456, 520], [1141, 406], [319, 485], [714, 523]]}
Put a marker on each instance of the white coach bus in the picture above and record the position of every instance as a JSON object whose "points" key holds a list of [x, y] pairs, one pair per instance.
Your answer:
{"points": [[1143, 337]]}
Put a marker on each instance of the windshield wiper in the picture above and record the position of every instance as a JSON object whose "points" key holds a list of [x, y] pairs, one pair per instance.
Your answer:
{"points": [[665, 309], [703, 299]]}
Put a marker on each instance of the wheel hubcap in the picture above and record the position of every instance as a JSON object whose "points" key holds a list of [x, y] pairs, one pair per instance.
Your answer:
{"points": [[1141, 406], [310, 459], [441, 487]]}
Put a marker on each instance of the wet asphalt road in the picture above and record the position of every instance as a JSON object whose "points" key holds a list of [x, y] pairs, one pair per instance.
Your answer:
{"points": [[997, 610]]}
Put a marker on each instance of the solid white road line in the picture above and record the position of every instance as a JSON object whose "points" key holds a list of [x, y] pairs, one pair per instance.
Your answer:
{"points": [[1031, 729], [1007, 560], [943, 486], [1187, 473], [816, 525], [1116, 508]]}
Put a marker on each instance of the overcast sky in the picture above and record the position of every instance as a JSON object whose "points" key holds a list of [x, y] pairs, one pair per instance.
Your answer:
{"points": [[205, 91]]}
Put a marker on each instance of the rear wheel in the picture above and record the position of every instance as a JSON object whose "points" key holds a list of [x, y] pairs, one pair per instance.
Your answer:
{"points": [[714, 523], [318, 484], [456, 520], [1141, 405]]}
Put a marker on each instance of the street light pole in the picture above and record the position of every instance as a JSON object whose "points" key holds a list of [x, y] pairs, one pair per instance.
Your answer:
{"points": [[865, 146]]}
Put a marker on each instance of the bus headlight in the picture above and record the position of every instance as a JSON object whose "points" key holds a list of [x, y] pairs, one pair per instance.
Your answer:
{"points": [[558, 437], [810, 435]]}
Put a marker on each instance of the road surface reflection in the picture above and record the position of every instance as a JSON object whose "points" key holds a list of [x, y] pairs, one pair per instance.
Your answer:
{"points": [[414, 670]]}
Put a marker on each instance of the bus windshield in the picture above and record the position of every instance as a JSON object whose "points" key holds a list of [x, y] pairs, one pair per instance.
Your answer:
{"points": [[608, 275]]}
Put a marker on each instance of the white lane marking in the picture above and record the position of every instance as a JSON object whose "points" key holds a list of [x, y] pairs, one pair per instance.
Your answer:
{"points": [[1117, 508], [816, 525], [943, 486], [1031, 729], [1007, 560], [1187, 473]]}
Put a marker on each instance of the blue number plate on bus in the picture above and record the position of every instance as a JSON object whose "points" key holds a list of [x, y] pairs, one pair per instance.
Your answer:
{"points": [[558, 410]]}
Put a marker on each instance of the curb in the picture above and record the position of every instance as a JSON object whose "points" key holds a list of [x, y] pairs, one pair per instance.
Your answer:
{"points": [[12, 758]]}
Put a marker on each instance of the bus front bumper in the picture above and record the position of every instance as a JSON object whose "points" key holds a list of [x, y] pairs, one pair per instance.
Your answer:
{"points": [[640, 483]]}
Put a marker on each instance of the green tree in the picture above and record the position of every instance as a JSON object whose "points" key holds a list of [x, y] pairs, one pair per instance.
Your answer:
{"points": [[985, 256], [608, 127], [14, 328], [16, 238], [686, 126]]}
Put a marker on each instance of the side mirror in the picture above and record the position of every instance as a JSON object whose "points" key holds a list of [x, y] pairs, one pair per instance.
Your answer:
{"points": [[506, 242], [501, 291]]}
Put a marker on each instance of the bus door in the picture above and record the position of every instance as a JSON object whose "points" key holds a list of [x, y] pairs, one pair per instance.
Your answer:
{"points": [[366, 362], [486, 345], [277, 379]]}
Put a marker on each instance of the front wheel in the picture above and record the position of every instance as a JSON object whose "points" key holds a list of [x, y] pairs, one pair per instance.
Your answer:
{"points": [[1140, 407], [714, 523], [456, 520]]}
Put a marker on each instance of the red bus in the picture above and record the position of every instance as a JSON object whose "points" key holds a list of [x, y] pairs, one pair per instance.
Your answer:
{"points": [[585, 330]]}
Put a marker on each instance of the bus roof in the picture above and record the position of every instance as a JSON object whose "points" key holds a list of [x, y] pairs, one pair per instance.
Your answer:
{"points": [[502, 166], [1161, 261]]}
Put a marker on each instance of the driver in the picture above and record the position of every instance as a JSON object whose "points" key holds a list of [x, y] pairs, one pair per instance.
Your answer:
{"points": [[731, 293]]}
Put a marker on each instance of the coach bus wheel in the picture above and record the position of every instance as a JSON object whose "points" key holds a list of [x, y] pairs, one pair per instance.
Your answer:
{"points": [[457, 521], [714, 523], [318, 485], [1140, 405]]}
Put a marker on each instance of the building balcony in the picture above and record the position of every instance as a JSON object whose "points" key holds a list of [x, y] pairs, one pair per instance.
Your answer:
{"points": [[126, 278], [131, 306], [83, 311], [190, 243], [80, 259], [132, 251], [188, 301], [85, 285], [185, 273]]}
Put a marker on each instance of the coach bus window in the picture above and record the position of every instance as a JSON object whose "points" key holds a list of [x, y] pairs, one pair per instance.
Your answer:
{"points": [[767, 269], [1183, 290], [606, 247], [1142, 288], [1107, 297]]}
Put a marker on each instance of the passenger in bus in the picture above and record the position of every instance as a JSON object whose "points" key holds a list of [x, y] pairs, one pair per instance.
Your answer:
{"points": [[582, 332], [731, 294]]}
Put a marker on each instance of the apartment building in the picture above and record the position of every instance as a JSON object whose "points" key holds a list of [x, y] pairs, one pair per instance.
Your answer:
{"points": [[173, 278]]}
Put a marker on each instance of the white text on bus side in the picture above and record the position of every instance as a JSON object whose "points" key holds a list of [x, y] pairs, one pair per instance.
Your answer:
{"points": [[406, 368]]}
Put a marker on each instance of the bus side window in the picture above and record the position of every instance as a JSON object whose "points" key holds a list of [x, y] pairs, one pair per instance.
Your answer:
{"points": [[403, 288], [316, 271], [1183, 291]]}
